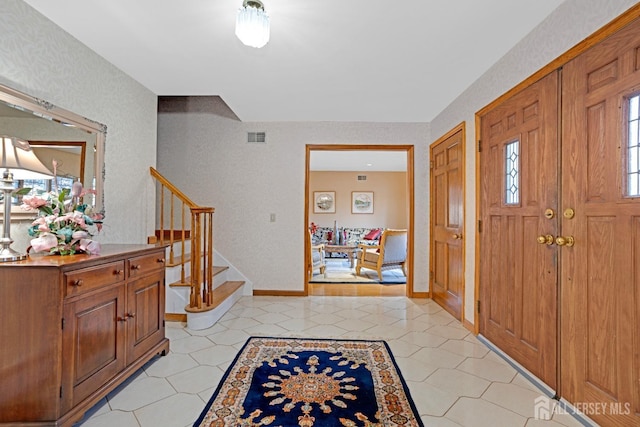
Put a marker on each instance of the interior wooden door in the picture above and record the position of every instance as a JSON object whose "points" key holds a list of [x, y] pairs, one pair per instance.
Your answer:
{"points": [[600, 278], [447, 269], [518, 265]]}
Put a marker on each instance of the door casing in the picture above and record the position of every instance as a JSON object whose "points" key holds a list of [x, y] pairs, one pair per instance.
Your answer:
{"points": [[409, 149]]}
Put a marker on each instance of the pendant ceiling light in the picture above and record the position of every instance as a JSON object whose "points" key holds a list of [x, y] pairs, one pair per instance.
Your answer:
{"points": [[252, 24]]}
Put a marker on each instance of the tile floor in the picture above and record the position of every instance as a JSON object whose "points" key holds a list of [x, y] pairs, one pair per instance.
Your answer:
{"points": [[454, 379]]}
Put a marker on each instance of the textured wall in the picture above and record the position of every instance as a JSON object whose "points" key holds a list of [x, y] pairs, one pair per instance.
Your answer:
{"points": [[571, 23], [38, 58], [390, 201], [208, 157]]}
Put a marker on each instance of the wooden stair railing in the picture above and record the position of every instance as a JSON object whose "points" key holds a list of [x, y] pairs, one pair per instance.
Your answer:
{"points": [[197, 228]]}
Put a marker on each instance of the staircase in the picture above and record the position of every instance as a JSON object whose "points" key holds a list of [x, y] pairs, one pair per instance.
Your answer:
{"points": [[201, 284]]}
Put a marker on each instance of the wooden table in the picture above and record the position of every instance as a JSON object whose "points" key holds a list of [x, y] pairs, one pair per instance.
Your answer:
{"points": [[350, 250]]}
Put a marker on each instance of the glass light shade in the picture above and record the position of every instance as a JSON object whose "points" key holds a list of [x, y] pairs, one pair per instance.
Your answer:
{"points": [[16, 156], [252, 24]]}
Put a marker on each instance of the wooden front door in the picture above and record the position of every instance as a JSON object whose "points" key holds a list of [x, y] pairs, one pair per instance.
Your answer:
{"points": [[600, 278], [447, 269], [519, 185]]}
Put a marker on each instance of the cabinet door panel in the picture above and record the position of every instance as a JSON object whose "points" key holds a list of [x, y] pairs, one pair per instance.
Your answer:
{"points": [[93, 343], [145, 312]]}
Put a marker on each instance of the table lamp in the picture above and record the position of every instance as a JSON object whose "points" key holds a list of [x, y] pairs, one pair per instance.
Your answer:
{"points": [[17, 161]]}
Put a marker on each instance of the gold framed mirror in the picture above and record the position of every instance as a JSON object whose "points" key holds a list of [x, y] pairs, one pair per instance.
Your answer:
{"points": [[47, 127]]}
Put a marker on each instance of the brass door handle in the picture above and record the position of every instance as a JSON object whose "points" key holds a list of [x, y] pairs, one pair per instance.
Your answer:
{"points": [[457, 236], [545, 239], [565, 241]]}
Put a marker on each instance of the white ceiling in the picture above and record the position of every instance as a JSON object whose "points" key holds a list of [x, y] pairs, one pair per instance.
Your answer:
{"points": [[361, 161], [327, 60]]}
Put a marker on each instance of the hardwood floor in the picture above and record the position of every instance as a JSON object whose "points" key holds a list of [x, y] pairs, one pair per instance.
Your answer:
{"points": [[356, 289], [340, 267]]}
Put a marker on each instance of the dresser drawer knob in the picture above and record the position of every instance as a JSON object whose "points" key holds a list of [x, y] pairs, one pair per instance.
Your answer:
{"points": [[131, 315], [161, 260], [136, 267], [78, 282], [118, 272], [122, 319]]}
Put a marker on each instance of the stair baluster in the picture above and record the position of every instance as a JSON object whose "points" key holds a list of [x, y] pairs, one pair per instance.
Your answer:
{"points": [[200, 234]]}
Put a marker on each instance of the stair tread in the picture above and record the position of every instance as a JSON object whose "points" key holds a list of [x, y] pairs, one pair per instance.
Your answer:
{"points": [[216, 270], [178, 260], [220, 294], [177, 234]]}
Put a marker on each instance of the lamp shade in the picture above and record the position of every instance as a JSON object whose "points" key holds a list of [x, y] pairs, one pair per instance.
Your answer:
{"points": [[17, 157], [252, 24]]}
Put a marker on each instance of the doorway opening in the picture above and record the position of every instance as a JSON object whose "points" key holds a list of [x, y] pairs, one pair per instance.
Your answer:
{"points": [[359, 188]]}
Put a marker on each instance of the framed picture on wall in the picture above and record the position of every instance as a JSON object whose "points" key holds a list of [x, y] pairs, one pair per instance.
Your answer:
{"points": [[324, 202], [362, 202]]}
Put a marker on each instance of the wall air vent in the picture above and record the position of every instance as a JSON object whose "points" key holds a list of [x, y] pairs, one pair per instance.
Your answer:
{"points": [[257, 137], [362, 177]]}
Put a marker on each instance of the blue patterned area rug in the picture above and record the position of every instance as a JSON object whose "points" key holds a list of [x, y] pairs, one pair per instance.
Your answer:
{"points": [[311, 382]]}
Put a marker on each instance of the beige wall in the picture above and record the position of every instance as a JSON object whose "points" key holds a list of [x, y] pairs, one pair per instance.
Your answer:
{"points": [[206, 155], [48, 63], [209, 158], [389, 198]]}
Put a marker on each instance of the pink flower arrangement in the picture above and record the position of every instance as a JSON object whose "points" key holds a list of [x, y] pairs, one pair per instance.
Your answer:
{"points": [[63, 224], [62, 228]]}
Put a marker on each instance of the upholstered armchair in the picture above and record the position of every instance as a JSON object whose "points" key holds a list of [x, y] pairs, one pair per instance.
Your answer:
{"points": [[316, 256], [391, 253]]}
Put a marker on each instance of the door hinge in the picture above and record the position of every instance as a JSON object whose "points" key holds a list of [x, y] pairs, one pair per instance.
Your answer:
{"points": [[163, 323], [431, 275], [431, 164], [60, 392], [479, 226], [478, 305], [62, 323], [479, 145]]}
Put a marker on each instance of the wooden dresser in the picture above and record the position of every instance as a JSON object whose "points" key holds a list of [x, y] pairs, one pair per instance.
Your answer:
{"points": [[74, 327]]}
